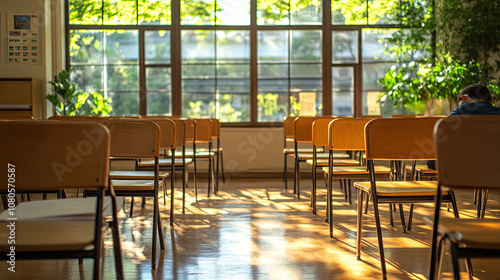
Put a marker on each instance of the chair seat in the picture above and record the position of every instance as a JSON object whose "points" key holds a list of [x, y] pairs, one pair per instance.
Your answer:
{"points": [[474, 233], [137, 175], [68, 208], [49, 235], [199, 154], [401, 188], [135, 185], [357, 170], [302, 150], [336, 162], [306, 156], [163, 162]]}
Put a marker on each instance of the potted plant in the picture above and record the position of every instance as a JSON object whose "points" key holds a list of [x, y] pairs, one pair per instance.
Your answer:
{"points": [[69, 100]]}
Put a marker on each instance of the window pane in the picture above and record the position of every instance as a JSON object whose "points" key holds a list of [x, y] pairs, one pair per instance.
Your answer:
{"points": [[157, 45], [306, 46], [272, 106], [306, 103], [121, 47], [349, 12], [272, 46], [120, 12], [124, 103], [85, 12], [197, 46], [233, 86], [233, 12], [155, 12], [198, 85], [121, 78], [86, 46], [373, 44], [233, 70], [272, 12], [342, 91], [233, 46], [344, 46], [297, 85], [198, 71], [88, 78], [272, 70], [159, 91], [306, 71], [383, 11], [306, 11], [198, 12], [273, 85]]}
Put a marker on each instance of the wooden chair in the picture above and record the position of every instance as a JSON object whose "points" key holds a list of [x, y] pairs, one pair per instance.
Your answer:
{"points": [[218, 150], [47, 155], [203, 136], [397, 139], [467, 158], [139, 139], [288, 136], [320, 140], [346, 135]]}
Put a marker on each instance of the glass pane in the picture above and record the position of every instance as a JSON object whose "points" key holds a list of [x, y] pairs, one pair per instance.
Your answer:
{"points": [[157, 45], [120, 12], [155, 12], [198, 85], [273, 85], [305, 85], [372, 72], [198, 71], [271, 106], [88, 78], [121, 47], [233, 12], [85, 12], [159, 103], [383, 11], [344, 46], [306, 46], [373, 44], [233, 46], [121, 78], [306, 70], [124, 103], [349, 12], [272, 46], [306, 103], [272, 70], [342, 91], [86, 46], [159, 79], [306, 11], [233, 107], [373, 105], [233, 71], [233, 86], [273, 12], [197, 46], [198, 12]]}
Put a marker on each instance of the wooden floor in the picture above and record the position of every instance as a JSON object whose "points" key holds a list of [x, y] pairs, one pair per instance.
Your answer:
{"points": [[255, 229]]}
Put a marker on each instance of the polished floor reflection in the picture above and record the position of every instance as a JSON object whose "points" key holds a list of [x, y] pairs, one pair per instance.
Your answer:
{"points": [[255, 229]]}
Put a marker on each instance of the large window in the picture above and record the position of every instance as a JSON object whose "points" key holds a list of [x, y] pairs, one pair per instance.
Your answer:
{"points": [[246, 62]]}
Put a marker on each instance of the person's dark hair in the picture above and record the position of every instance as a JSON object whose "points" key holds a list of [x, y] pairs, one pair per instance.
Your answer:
{"points": [[475, 91]]}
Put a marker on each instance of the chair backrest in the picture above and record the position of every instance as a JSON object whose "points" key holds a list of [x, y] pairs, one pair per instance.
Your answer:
{"points": [[403, 116], [133, 138], [215, 128], [203, 130], [69, 118], [468, 152], [320, 132], [400, 139], [49, 155], [168, 129], [303, 129], [347, 134], [289, 127]]}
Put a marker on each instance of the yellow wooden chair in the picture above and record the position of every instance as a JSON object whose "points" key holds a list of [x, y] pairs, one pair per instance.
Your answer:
{"points": [[467, 158], [396, 139], [48, 155]]}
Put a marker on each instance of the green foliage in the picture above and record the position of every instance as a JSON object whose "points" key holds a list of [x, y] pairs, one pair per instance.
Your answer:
{"points": [[68, 100], [426, 69]]}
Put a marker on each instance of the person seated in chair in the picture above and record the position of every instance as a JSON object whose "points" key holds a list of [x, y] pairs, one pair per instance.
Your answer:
{"points": [[474, 99]]}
